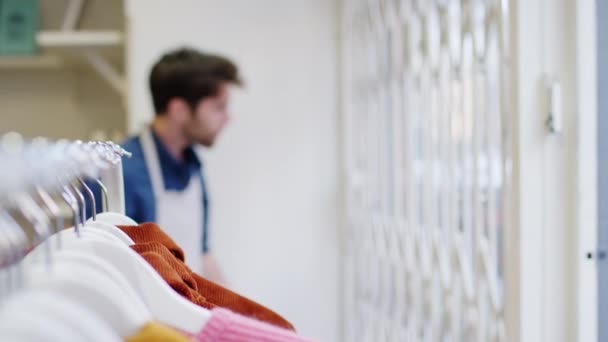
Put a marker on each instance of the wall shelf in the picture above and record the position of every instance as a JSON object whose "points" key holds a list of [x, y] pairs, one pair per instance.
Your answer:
{"points": [[80, 39], [54, 43], [59, 47], [74, 86], [76, 33]]}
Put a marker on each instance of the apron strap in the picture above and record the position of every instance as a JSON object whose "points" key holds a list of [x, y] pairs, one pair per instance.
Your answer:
{"points": [[152, 163]]}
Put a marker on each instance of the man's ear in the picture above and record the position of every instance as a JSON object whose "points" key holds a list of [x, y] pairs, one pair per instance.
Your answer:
{"points": [[179, 110]]}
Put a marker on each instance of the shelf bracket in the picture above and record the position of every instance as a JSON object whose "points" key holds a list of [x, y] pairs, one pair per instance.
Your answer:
{"points": [[72, 15], [106, 70]]}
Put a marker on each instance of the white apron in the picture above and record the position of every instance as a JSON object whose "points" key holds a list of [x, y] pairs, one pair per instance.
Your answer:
{"points": [[178, 213]]}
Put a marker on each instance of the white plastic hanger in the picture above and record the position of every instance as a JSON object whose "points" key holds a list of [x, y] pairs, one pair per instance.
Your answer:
{"points": [[91, 289], [22, 325], [38, 254], [75, 199], [86, 259], [115, 219], [111, 229], [102, 266], [97, 225], [166, 305], [67, 253], [101, 225], [78, 317], [56, 306]]}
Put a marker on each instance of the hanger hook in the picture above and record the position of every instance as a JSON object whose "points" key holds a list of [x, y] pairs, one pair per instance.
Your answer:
{"points": [[119, 149], [15, 236], [36, 216], [53, 210], [81, 203], [104, 196], [18, 242], [91, 196], [72, 202]]}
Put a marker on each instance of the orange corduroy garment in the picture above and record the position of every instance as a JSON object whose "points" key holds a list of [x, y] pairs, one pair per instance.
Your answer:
{"points": [[151, 239], [159, 257]]}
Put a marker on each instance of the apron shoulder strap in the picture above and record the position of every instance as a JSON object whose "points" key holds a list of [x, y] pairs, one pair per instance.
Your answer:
{"points": [[151, 159]]}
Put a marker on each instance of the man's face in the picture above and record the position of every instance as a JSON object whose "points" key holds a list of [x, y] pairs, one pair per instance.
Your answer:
{"points": [[210, 116]]}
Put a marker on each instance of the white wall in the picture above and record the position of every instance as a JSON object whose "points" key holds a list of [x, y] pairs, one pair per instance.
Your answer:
{"points": [[273, 175]]}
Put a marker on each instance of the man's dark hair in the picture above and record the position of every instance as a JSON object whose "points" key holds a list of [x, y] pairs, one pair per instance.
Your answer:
{"points": [[191, 75]]}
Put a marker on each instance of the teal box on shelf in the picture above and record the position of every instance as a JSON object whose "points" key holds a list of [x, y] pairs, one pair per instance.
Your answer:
{"points": [[18, 27]]}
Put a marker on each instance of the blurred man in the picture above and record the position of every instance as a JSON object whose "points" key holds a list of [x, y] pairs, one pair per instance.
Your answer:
{"points": [[164, 182]]}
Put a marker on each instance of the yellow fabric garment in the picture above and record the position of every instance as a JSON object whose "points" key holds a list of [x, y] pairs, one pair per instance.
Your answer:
{"points": [[155, 332]]}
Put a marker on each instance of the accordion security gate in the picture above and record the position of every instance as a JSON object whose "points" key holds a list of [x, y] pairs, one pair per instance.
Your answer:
{"points": [[428, 166]]}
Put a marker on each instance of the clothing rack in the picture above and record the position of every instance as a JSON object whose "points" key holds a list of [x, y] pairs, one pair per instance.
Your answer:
{"points": [[105, 279], [42, 168]]}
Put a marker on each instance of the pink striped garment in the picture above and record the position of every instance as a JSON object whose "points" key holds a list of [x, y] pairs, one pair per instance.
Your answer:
{"points": [[227, 326]]}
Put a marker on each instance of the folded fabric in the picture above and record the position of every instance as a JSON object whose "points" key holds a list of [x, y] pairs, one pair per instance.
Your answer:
{"points": [[150, 239], [154, 332], [226, 326], [151, 232], [159, 257]]}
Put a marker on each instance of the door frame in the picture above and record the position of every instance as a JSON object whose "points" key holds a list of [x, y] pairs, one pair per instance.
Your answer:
{"points": [[587, 171], [551, 285]]}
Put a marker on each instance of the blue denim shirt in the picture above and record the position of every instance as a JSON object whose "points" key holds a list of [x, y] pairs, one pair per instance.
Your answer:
{"points": [[139, 196]]}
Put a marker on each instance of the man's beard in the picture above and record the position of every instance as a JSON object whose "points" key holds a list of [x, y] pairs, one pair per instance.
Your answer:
{"points": [[206, 141]]}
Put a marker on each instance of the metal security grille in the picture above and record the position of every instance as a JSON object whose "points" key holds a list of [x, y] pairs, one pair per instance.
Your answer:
{"points": [[426, 140]]}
